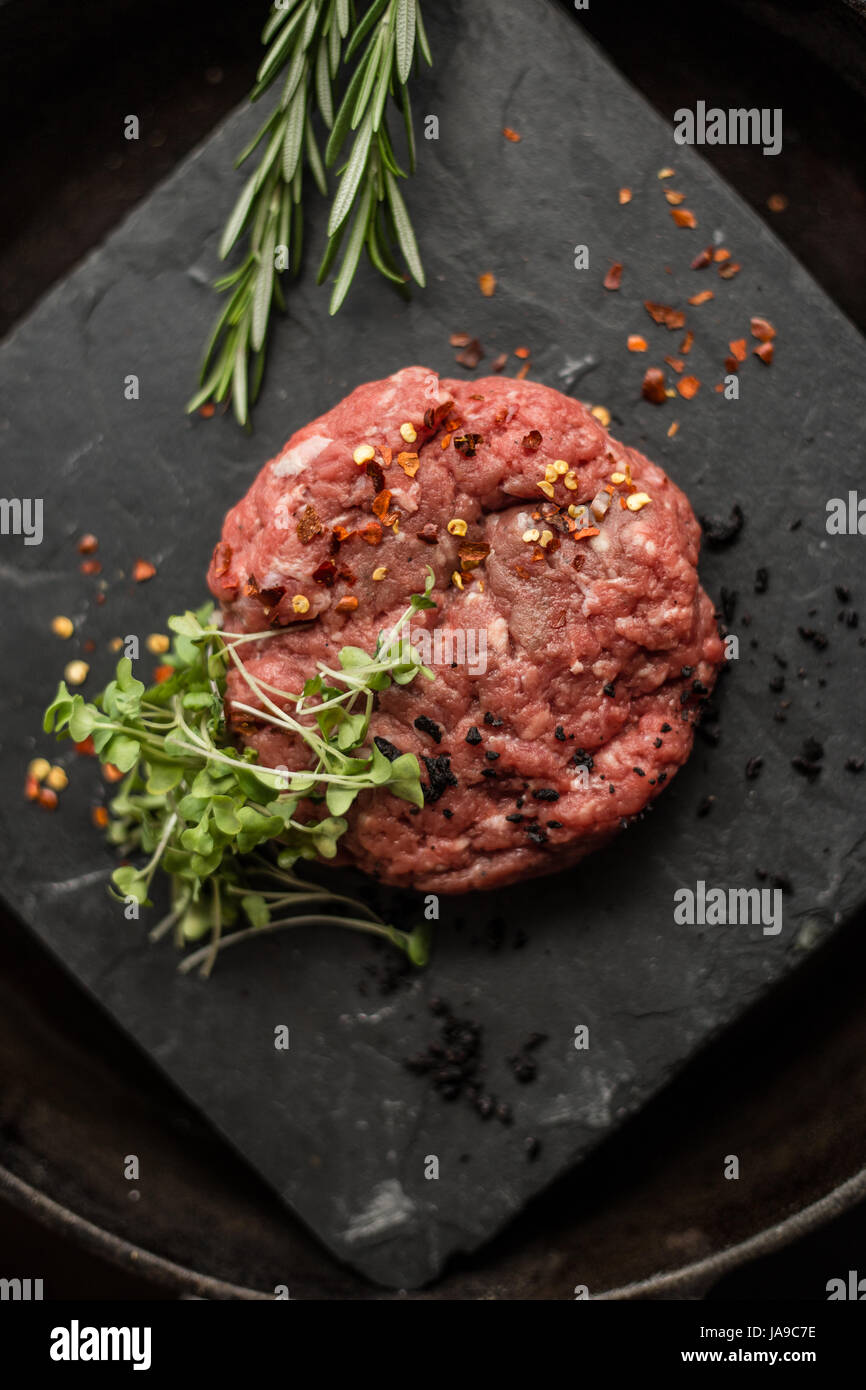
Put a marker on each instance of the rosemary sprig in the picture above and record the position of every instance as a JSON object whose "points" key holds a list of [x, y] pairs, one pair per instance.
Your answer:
{"points": [[307, 43], [203, 812]]}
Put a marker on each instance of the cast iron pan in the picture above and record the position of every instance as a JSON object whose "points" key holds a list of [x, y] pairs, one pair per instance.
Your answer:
{"points": [[53, 1143]]}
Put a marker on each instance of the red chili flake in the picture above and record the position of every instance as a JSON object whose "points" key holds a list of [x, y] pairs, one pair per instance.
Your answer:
{"points": [[471, 354], [511, 135], [672, 428], [47, 799], [521, 352], [222, 557], [445, 441], [702, 297], [388, 453], [460, 339], [522, 572], [207, 410], [625, 195], [777, 202], [686, 344], [703, 258], [683, 217], [87, 545], [738, 349], [731, 364], [636, 343], [532, 441], [309, 526], [763, 330], [340, 534], [466, 444], [381, 503], [613, 279], [162, 674], [325, 573], [429, 533], [112, 773], [729, 269], [85, 748], [676, 363], [499, 362], [688, 387], [674, 198], [374, 472], [522, 373], [348, 604], [663, 313], [653, 388], [410, 463], [90, 567], [89, 646], [722, 254], [143, 570], [487, 283], [472, 553], [100, 599], [587, 531], [765, 352], [371, 533], [99, 816], [31, 788]]}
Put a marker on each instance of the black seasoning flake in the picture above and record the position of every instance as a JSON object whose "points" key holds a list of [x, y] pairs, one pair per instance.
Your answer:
{"points": [[854, 764], [532, 1147], [609, 689], [728, 603], [762, 580], [554, 825], [425, 725], [639, 770], [515, 818], [666, 728], [581, 758], [473, 736], [657, 743], [489, 772], [559, 733], [386, 749], [491, 756], [536, 834], [706, 806], [447, 814], [753, 768], [545, 794], [441, 777], [687, 671], [719, 532], [492, 720]]}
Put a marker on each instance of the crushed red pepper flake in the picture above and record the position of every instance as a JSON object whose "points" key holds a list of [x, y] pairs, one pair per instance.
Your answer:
{"points": [[466, 444], [143, 570], [471, 354], [374, 472], [672, 428], [653, 388], [90, 567], [325, 573], [762, 329], [663, 313], [777, 202], [511, 135], [472, 554], [702, 297], [445, 441], [636, 343], [162, 674], [409, 463], [765, 352], [688, 387], [686, 344], [309, 526], [499, 362], [586, 532], [99, 814], [347, 604], [429, 533], [729, 269], [521, 352], [522, 373], [732, 364], [613, 278], [625, 195], [381, 503], [674, 198], [703, 259], [222, 557], [88, 544], [207, 410], [738, 349], [387, 455], [683, 217], [371, 532], [532, 441], [721, 254], [676, 363], [459, 340], [487, 283]]}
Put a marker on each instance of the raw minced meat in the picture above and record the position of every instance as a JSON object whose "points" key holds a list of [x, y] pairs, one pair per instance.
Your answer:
{"points": [[574, 649]]}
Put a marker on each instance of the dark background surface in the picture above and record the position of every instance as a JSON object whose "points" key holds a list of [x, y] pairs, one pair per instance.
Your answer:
{"points": [[184, 72]]}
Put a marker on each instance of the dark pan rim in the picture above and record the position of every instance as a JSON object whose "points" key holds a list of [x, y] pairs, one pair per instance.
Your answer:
{"points": [[689, 1281]]}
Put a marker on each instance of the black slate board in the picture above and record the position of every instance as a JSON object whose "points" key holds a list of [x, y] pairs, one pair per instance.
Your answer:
{"points": [[336, 1124]]}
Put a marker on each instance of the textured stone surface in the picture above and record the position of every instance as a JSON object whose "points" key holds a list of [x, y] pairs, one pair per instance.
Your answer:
{"points": [[337, 1125]]}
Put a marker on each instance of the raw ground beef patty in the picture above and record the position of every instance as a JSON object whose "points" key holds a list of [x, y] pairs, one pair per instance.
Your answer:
{"points": [[600, 642]]}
